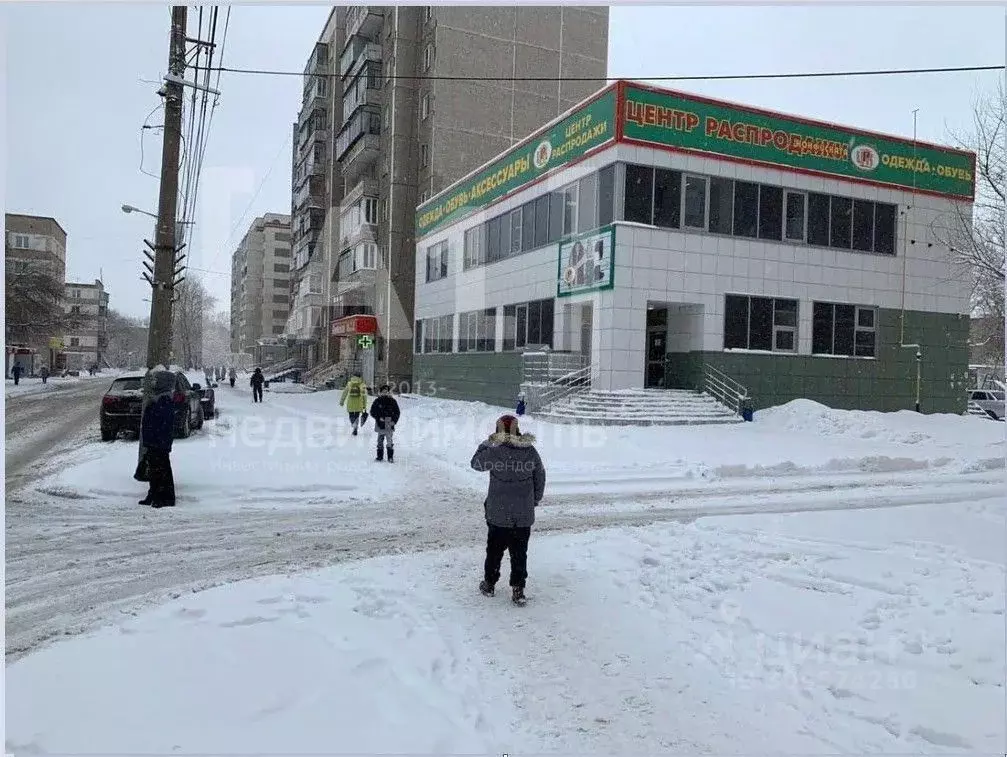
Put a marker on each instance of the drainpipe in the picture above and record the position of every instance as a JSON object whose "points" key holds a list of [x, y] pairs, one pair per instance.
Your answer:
{"points": [[391, 193], [905, 251]]}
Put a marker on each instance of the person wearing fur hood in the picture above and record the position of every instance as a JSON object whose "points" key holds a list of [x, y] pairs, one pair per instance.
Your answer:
{"points": [[516, 486]]}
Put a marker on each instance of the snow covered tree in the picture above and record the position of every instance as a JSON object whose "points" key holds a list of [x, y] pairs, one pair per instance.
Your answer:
{"points": [[192, 302]]}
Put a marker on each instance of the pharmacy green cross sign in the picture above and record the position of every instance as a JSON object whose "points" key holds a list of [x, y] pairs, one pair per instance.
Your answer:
{"points": [[365, 341]]}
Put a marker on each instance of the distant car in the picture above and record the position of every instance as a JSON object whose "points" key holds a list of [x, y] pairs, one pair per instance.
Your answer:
{"points": [[991, 401], [122, 404], [207, 398]]}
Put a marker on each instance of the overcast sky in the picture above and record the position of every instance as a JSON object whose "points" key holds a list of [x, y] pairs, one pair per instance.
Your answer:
{"points": [[76, 100]]}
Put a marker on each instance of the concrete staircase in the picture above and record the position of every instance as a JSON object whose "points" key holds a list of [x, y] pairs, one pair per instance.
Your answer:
{"points": [[639, 407]]}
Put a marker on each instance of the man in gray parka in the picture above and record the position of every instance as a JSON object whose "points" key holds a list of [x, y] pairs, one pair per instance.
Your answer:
{"points": [[517, 483]]}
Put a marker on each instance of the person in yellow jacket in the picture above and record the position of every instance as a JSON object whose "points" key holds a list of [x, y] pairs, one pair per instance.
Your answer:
{"points": [[355, 399]]}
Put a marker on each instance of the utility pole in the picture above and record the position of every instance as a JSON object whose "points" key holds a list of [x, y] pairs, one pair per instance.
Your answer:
{"points": [[165, 251]]}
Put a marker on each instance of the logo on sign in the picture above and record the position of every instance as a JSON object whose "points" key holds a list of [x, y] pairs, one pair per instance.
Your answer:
{"points": [[542, 154], [865, 157]]}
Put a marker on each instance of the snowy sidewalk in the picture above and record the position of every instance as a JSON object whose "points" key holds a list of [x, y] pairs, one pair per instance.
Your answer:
{"points": [[871, 631]]}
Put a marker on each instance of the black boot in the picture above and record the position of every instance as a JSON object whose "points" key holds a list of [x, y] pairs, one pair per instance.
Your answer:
{"points": [[381, 455], [144, 501], [517, 596], [391, 454], [354, 431], [486, 588]]}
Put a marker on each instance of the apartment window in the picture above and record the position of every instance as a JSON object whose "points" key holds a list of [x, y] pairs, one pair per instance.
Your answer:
{"points": [[418, 337], [667, 199], [344, 266], [884, 228], [569, 194], [556, 213], [366, 256], [281, 267], [863, 225], [529, 324], [695, 202], [746, 209], [437, 333], [477, 331], [386, 118], [281, 284], [818, 220], [425, 105], [838, 329], [283, 236], [281, 299], [528, 211], [795, 216], [21, 241], [514, 221], [760, 323], [280, 315], [281, 253], [384, 210], [428, 57], [370, 206], [606, 195], [542, 227], [493, 238], [840, 222], [75, 309], [721, 205], [277, 330], [74, 341], [639, 192], [475, 247], [75, 293], [437, 261], [424, 156], [770, 212], [587, 203]]}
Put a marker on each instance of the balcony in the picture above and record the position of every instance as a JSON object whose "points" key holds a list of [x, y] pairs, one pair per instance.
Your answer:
{"points": [[316, 93], [363, 21], [310, 194], [358, 51], [361, 157]]}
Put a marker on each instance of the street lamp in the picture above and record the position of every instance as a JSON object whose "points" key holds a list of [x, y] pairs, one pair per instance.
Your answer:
{"points": [[131, 209]]}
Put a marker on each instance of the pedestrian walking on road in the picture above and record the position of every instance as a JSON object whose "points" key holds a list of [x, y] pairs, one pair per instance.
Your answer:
{"points": [[157, 431], [231, 376], [355, 399], [43, 372], [16, 373], [257, 381], [516, 486], [385, 412]]}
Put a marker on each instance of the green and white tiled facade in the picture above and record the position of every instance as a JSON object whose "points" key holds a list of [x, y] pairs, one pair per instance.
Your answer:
{"points": [[715, 289]]}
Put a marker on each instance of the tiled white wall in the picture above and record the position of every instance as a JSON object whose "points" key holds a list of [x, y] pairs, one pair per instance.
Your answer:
{"points": [[698, 269]]}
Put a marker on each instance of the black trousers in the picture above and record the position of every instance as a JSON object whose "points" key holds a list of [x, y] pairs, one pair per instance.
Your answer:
{"points": [[162, 482], [513, 540], [256, 393]]}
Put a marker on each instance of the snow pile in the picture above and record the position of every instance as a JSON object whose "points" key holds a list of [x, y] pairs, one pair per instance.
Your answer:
{"points": [[30, 386], [281, 387], [871, 631]]}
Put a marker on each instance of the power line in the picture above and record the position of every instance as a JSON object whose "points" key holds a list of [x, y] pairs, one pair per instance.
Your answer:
{"points": [[707, 77]]}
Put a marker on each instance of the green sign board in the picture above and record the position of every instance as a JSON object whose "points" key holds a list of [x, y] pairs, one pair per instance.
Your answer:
{"points": [[586, 263], [679, 121], [577, 134], [365, 341]]}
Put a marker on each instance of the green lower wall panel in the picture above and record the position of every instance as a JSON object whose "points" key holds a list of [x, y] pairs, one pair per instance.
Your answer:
{"points": [[886, 383], [491, 377]]}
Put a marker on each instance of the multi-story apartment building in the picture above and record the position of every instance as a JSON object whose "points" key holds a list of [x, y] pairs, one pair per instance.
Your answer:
{"points": [[32, 245], [260, 285], [399, 103], [85, 343]]}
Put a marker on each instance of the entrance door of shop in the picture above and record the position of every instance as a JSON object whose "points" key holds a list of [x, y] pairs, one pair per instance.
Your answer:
{"points": [[657, 347], [586, 327]]}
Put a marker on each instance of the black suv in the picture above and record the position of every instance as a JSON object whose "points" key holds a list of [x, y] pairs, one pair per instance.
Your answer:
{"points": [[121, 405]]}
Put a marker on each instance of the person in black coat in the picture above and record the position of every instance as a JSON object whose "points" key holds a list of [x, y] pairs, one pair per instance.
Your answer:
{"points": [[385, 412], [257, 381], [157, 430]]}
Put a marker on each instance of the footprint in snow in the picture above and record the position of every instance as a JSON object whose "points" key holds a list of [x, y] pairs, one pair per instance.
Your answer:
{"points": [[254, 620], [939, 738]]}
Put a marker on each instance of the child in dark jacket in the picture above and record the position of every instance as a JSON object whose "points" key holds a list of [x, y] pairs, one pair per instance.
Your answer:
{"points": [[517, 483], [157, 430], [385, 412]]}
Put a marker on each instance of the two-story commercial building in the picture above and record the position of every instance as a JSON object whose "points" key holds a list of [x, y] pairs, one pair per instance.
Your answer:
{"points": [[659, 234]]}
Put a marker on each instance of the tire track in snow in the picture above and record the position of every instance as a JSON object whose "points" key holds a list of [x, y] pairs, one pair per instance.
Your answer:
{"points": [[59, 584]]}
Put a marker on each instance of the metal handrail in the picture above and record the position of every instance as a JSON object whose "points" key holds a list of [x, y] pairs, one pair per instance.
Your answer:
{"points": [[724, 388], [571, 383]]}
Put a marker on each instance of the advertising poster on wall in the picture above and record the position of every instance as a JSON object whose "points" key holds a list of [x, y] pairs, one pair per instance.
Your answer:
{"points": [[587, 263]]}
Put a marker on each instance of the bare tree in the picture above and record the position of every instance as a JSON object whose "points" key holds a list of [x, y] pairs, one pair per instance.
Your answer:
{"points": [[191, 305], [216, 338], [127, 341], [34, 305], [977, 243]]}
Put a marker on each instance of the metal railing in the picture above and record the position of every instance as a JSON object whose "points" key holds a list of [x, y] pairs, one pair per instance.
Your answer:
{"points": [[569, 384], [546, 367], [724, 388]]}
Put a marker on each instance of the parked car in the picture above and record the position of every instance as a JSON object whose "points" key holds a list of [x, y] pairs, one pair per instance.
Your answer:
{"points": [[208, 399], [991, 401], [122, 403]]}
